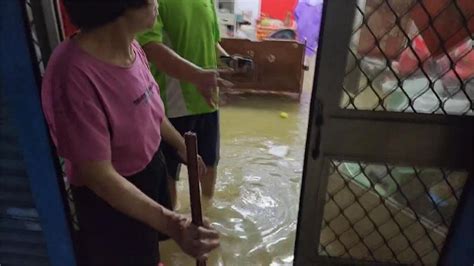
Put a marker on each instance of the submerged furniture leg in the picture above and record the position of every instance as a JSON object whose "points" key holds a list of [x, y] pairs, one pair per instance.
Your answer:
{"points": [[193, 177]]}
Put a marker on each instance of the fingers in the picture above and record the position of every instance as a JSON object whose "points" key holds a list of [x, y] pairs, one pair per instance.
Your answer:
{"points": [[214, 83], [225, 71], [201, 241], [206, 92], [206, 233], [208, 97], [210, 79], [184, 221], [204, 246], [224, 83], [206, 222], [202, 261], [201, 251]]}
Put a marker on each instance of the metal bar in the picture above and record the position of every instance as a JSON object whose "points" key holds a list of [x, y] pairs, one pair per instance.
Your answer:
{"points": [[21, 90], [335, 35], [194, 190], [406, 117], [321, 260], [399, 142]]}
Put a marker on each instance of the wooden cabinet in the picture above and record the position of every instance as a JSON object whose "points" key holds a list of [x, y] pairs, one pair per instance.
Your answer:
{"points": [[278, 65]]}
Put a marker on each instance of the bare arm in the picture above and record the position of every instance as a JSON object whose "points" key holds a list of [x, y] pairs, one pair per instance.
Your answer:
{"points": [[103, 180], [123, 196], [168, 61]]}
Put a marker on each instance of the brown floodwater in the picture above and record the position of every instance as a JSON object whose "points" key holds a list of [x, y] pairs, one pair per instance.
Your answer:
{"points": [[257, 193]]}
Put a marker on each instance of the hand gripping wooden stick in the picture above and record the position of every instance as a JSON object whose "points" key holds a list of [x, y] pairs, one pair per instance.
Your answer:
{"points": [[193, 178]]}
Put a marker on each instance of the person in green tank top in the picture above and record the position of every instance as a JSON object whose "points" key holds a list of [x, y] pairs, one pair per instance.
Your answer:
{"points": [[183, 50]]}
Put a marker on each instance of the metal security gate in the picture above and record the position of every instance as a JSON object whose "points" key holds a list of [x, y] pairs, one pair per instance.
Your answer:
{"points": [[21, 236], [391, 147], [34, 226]]}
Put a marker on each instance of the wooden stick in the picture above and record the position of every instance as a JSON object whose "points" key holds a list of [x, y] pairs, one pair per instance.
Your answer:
{"points": [[193, 178]]}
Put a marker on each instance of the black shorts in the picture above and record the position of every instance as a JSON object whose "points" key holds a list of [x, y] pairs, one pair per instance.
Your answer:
{"points": [[109, 237], [206, 127]]}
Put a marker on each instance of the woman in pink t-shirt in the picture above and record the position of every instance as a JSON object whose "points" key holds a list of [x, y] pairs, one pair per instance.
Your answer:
{"points": [[107, 121]]}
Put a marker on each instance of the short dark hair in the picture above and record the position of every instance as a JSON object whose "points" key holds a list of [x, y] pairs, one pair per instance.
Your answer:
{"points": [[90, 14]]}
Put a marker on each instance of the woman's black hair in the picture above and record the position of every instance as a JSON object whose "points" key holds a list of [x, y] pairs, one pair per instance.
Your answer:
{"points": [[91, 14]]}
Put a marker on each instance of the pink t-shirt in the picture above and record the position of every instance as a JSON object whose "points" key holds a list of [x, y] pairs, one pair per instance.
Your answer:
{"points": [[97, 111]]}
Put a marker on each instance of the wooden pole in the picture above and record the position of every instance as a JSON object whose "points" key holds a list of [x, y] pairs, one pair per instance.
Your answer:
{"points": [[193, 178]]}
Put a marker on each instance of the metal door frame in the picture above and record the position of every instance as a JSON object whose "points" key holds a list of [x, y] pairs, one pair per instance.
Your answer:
{"points": [[340, 134]]}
